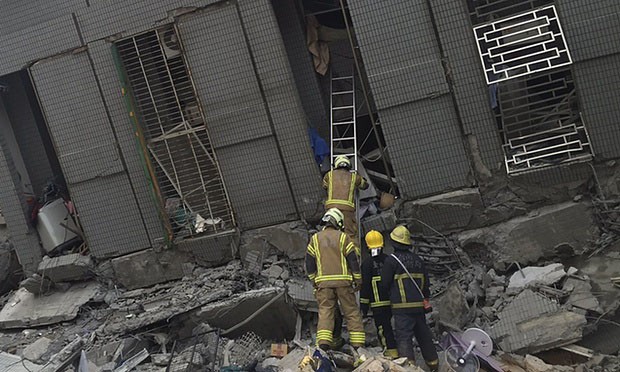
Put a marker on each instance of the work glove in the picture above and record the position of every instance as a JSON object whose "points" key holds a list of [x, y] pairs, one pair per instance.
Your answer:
{"points": [[427, 306]]}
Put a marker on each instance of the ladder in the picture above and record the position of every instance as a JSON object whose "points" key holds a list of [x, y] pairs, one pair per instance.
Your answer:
{"points": [[343, 131]]}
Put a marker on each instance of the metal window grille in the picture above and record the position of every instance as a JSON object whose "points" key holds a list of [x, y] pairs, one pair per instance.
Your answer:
{"points": [[522, 45], [175, 132], [526, 63]]}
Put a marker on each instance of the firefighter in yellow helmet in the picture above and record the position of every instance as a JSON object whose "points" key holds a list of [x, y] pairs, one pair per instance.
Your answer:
{"points": [[333, 267], [374, 296], [405, 277], [341, 184]]}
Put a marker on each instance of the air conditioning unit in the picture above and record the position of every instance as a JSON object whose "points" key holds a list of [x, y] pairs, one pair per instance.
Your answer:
{"points": [[170, 43]]}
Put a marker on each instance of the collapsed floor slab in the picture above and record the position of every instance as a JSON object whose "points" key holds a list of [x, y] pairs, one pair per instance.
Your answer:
{"points": [[533, 323], [275, 317], [25, 309]]}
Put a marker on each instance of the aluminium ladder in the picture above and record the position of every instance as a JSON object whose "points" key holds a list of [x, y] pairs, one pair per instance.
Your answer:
{"points": [[343, 129]]}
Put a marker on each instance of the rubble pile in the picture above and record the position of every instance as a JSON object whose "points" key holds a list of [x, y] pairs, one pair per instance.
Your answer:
{"points": [[258, 313]]}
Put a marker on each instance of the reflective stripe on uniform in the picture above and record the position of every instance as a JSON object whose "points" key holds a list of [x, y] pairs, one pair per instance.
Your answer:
{"points": [[357, 337], [324, 278], [380, 304], [408, 305], [414, 275], [349, 202], [324, 335], [343, 258]]}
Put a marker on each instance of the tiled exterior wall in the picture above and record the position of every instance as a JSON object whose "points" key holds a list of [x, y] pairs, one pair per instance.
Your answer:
{"points": [[89, 154], [403, 62], [252, 76]]}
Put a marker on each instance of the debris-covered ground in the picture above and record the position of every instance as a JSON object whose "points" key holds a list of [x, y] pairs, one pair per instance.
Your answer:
{"points": [[558, 313]]}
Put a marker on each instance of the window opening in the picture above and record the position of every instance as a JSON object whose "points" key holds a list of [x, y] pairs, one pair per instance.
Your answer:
{"points": [[526, 62], [175, 133]]}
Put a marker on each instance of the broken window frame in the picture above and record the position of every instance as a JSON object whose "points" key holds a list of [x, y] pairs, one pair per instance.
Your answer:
{"points": [[154, 128]]}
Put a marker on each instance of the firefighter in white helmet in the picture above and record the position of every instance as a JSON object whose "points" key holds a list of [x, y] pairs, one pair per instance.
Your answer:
{"points": [[341, 184], [333, 267]]}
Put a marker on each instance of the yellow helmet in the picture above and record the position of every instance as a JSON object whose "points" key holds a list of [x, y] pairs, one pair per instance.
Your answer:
{"points": [[401, 235], [342, 161], [334, 217], [374, 239]]}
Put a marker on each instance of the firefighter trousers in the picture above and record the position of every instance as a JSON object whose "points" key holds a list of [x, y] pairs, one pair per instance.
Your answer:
{"points": [[327, 299], [408, 325], [383, 322]]}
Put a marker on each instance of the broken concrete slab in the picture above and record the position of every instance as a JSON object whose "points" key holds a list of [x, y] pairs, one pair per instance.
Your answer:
{"points": [[275, 321], [290, 363], [290, 239], [600, 270], [533, 323], [37, 349], [446, 212], [527, 239], [383, 221], [581, 295], [534, 364], [25, 309], [302, 293], [452, 306], [211, 250], [13, 363], [147, 268], [533, 275], [71, 267]]}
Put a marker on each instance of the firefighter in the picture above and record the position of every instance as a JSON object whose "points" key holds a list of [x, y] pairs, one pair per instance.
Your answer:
{"points": [[341, 183], [374, 296], [333, 267], [405, 277]]}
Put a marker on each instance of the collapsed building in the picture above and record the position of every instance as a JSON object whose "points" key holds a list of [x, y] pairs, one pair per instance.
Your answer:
{"points": [[162, 135]]}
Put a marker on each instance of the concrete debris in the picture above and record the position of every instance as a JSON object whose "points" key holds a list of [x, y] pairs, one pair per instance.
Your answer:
{"points": [[527, 239], [581, 295], [531, 276], [534, 364], [289, 239], [65, 356], [532, 323], [266, 312], [132, 362], [290, 363], [13, 363], [452, 307], [380, 364], [71, 267], [37, 349], [383, 221], [37, 284], [26, 309], [446, 212], [148, 267]]}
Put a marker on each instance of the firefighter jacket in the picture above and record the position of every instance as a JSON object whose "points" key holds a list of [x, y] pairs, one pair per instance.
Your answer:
{"points": [[404, 295], [373, 294], [341, 185], [331, 260]]}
